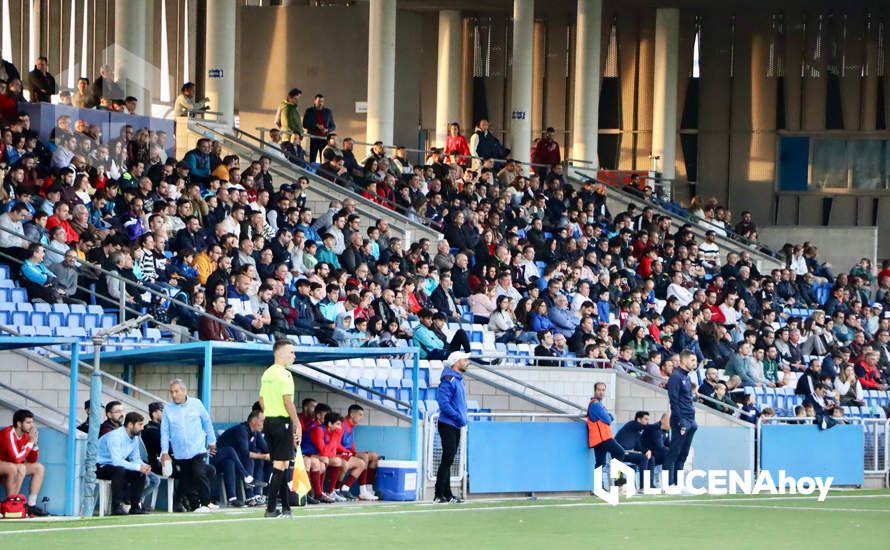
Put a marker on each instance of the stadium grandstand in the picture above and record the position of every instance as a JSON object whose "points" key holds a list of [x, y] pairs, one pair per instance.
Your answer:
{"points": [[651, 232]]}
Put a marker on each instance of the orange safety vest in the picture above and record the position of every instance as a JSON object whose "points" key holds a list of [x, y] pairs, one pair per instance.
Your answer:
{"points": [[597, 431]]}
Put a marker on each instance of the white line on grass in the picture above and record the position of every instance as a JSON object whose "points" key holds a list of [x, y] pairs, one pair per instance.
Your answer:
{"points": [[728, 503], [791, 508]]}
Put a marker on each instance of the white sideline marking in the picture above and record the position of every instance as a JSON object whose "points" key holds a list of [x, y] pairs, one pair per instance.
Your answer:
{"points": [[794, 508], [725, 503]]}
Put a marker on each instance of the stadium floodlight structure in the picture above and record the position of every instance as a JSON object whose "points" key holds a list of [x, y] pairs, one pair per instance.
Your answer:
{"points": [[88, 503]]}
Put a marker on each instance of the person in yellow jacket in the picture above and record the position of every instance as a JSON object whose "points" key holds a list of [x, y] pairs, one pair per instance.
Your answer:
{"points": [[206, 262]]}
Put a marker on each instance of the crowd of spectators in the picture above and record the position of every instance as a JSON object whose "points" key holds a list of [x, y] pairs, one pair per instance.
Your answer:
{"points": [[532, 256]]}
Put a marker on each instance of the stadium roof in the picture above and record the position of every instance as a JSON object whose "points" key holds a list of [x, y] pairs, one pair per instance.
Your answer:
{"points": [[235, 353], [18, 342]]}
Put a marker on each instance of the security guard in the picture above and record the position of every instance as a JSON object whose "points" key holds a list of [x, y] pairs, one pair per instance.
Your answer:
{"points": [[282, 427], [452, 398]]}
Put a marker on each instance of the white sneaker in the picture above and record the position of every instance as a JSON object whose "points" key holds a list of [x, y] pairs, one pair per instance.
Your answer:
{"points": [[202, 510], [366, 492], [248, 480], [335, 497], [213, 506]]}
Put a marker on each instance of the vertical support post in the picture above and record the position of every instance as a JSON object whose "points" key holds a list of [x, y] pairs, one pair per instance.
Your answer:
{"points": [[89, 463], [521, 81], [585, 107], [219, 78], [415, 408], [448, 80], [206, 375], [665, 93], [71, 458], [381, 71]]}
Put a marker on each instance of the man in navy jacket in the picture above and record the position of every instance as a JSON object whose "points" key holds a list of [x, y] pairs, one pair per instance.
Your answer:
{"points": [[630, 436], [452, 398], [656, 440], [683, 424]]}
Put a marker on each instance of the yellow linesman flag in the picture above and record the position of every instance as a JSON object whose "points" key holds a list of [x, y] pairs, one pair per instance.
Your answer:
{"points": [[300, 480]]}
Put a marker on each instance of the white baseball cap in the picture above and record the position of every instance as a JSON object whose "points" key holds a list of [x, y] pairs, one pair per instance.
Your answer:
{"points": [[456, 356]]}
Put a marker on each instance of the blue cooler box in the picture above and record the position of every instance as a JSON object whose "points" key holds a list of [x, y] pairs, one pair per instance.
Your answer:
{"points": [[397, 479]]}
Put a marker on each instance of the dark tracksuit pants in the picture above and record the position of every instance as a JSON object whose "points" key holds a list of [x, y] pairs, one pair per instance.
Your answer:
{"points": [[126, 485], [227, 462], [681, 442], [450, 441], [194, 476]]}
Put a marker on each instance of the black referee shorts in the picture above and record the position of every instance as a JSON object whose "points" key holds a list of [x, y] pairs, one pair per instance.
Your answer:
{"points": [[279, 434]]}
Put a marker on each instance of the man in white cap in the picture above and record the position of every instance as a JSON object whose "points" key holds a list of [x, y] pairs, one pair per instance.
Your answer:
{"points": [[452, 398]]}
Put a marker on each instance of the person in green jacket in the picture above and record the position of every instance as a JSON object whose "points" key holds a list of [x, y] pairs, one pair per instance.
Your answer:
{"points": [[288, 118]]}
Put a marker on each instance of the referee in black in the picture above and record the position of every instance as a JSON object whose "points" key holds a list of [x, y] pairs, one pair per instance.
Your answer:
{"points": [[282, 427]]}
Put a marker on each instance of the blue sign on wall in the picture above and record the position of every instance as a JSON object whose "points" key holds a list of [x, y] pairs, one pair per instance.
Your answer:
{"points": [[808, 451]]}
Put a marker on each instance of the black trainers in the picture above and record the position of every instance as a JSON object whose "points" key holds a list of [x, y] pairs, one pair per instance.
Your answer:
{"points": [[285, 514], [346, 494], [621, 481], [311, 500], [236, 503], [271, 514], [119, 511], [455, 500], [440, 500], [138, 510], [37, 512]]}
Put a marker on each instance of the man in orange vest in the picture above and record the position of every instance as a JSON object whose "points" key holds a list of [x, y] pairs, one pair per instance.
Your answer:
{"points": [[599, 428]]}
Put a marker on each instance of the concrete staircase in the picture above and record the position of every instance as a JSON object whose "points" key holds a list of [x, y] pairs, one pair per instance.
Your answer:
{"points": [[31, 380]]}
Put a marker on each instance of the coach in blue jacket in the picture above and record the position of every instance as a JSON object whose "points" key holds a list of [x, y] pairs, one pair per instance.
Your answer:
{"points": [[452, 398], [656, 440], [683, 424]]}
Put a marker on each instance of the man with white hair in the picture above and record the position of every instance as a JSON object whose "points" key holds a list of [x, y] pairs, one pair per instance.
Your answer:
{"points": [[187, 430]]}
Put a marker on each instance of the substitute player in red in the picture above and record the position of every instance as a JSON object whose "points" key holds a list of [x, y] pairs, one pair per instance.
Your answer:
{"points": [[316, 464], [18, 458], [326, 438], [346, 448]]}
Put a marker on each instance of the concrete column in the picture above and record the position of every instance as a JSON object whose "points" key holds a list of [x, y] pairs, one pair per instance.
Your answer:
{"points": [[521, 81], [539, 65], [35, 32], [585, 106], [449, 81], [381, 70], [130, 57], [219, 80], [664, 97], [466, 87]]}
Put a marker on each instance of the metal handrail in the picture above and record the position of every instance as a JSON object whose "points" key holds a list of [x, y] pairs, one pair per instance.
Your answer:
{"points": [[81, 364], [354, 383], [39, 402], [49, 422], [130, 284], [323, 190], [525, 385], [260, 139], [730, 232]]}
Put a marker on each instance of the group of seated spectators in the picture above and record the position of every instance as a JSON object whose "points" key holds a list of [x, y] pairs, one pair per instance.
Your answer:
{"points": [[534, 257], [178, 441]]}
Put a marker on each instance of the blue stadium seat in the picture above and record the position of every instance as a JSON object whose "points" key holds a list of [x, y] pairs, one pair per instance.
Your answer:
{"points": [[24, 306], [109, 320], [97, 310], [7, 283], [43, 306], [4, 271], [20, 319], [62, 308], [18, 295], [56, 319]]}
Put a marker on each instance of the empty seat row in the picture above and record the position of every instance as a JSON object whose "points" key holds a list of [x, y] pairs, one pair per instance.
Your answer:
{"points": [[56, 319]]}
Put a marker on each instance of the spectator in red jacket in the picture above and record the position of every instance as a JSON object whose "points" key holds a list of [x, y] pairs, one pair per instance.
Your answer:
{"points": [[868, 373], [18, 458], [456, 145], [546, 151]]}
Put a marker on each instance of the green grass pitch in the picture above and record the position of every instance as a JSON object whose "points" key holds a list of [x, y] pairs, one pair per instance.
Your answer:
{"points": [[857, 520]]}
